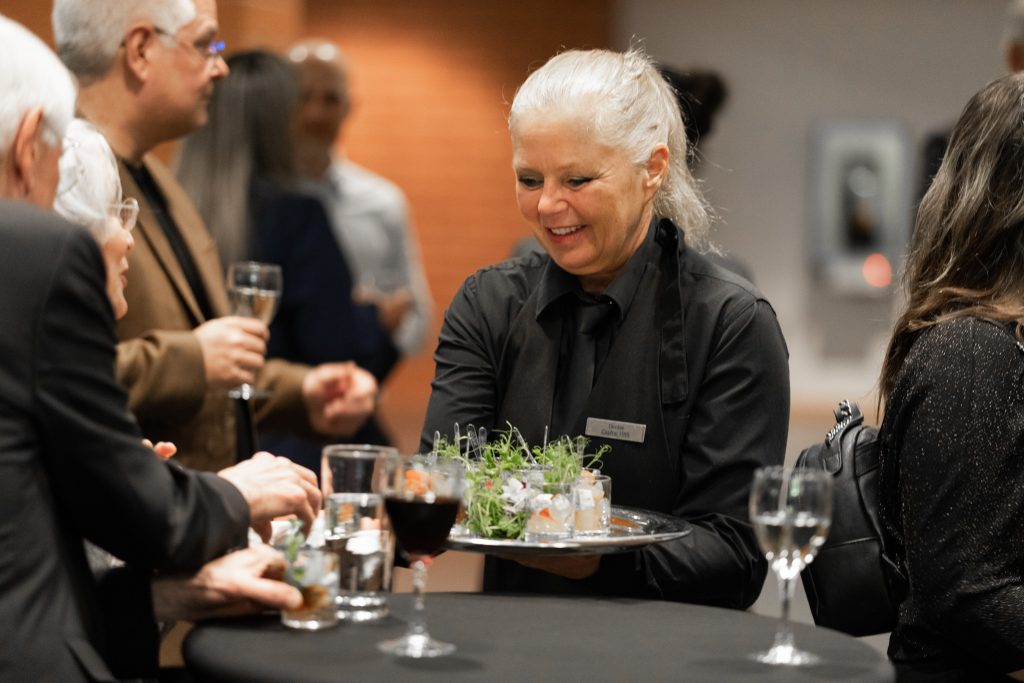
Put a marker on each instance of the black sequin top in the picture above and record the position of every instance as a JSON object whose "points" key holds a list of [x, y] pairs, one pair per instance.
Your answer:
{"points": [[952, 502]]}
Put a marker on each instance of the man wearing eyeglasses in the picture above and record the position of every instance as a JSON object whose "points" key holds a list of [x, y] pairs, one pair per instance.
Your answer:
{"points": [[146, 70]]}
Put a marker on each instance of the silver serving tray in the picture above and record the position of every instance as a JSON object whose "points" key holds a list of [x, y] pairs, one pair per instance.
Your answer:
{"points": [[632, 528]]}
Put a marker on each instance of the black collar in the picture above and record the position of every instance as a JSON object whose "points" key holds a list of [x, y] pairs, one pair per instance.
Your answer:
{"points": [[556, 283]]}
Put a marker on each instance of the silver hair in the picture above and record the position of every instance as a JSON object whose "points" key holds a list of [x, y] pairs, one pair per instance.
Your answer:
{"points": [[318, 50], [31, 76], [247, 138], [629, 106], [89, 32], [89, 180]]}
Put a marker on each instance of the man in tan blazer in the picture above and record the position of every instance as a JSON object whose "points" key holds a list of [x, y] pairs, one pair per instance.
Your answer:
{"points": [[146, 71]]}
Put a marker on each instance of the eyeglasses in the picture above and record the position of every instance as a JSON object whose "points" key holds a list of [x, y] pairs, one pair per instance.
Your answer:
{"points": [[207, 49], [127, 212]]}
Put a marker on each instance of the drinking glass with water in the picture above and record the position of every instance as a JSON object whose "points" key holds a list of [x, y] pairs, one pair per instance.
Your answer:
{"points": [[791, 510]]}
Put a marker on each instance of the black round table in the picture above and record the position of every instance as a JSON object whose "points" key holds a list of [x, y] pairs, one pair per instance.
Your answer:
{"points": [[529, 638]]}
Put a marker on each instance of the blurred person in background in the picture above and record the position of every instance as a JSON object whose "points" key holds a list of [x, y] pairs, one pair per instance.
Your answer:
{"points": [[239, 170], [951, 478], [72, 463], [147, 70], [621, 318], [369, 214]]}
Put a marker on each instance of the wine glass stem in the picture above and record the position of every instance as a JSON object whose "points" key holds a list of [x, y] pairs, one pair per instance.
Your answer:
{"points": [[418, 623], [784, 632]]}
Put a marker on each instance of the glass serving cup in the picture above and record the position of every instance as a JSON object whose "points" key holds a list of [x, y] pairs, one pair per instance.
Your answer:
{"points": [[314, 571], [592, 500], [551, 510]]}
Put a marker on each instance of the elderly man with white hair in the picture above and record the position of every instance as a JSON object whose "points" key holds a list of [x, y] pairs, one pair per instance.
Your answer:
{"points": [[146, 69], [72, 462]]}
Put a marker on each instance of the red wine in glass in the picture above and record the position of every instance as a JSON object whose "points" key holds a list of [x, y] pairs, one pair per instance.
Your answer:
{"points": [[421, 525]]}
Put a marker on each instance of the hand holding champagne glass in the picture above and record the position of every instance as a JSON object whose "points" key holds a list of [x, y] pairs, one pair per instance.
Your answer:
{"points": [[254, 290], [791, 510], [422, 496]]}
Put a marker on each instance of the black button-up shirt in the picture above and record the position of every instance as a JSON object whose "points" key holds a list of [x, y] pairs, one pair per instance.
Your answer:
{"points": [[724, 400]]}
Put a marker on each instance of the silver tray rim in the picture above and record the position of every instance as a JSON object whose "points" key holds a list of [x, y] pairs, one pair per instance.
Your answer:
{"points": [[669, 529]]}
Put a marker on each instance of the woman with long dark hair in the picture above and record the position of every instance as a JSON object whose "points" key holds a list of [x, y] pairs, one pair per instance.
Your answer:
{"points": [[952, 437]]}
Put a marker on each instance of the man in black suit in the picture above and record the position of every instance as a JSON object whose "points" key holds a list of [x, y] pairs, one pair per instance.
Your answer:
{"points": [[72, 464]]}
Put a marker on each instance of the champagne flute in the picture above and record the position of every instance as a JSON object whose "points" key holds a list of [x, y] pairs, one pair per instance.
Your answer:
{"points": [[791, 510], [254, 290], [422, 496]]}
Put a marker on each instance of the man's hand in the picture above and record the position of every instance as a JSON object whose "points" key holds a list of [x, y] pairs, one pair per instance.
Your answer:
{"points": [[273, 487], [243, 582], [339, 397], [569, 566], [233, 350]]}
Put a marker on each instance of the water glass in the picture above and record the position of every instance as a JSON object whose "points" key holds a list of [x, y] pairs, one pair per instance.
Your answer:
{"points": [[314, 571], [350, 468], [356, 528]]}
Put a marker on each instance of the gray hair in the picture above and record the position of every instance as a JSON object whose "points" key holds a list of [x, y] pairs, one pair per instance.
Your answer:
{"points": [[630, 107], [31, 76], [89, 32], [248, 137], [89, 180]]}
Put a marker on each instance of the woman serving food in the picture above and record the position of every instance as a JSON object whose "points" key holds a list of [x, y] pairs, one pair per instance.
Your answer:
{"points": [[623, 332]]}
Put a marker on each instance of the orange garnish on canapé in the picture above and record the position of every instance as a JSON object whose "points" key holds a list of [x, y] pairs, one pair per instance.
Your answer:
{"points": [[545, 513], [416, 482]]}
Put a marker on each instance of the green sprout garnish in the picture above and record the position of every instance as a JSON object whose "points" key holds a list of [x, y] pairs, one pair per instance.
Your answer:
{"points": [[492, 507]]}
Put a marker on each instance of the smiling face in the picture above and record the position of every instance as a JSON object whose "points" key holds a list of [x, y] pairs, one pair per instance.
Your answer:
{"points": [[588, 204]]}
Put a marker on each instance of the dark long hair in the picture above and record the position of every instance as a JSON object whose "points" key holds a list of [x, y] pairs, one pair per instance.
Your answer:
{"points": [[248, 136], [967, 253]]}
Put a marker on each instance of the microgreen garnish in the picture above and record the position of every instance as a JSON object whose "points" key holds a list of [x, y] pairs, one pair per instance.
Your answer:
{"points": [[496, 496]]}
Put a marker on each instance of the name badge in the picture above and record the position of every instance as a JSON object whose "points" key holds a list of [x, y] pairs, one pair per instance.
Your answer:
{"points": [[611, 429]]}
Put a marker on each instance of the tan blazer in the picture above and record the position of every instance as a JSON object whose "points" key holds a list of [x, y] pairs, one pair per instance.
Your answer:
{"points": [[159, 360]]}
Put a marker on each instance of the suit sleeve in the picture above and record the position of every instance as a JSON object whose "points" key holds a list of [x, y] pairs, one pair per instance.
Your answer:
{"points": [[151, 513], [126, 599], [164, 374]]}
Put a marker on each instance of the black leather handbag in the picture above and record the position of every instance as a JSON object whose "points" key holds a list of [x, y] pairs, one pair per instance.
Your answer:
{"points": [[852, 585]]}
